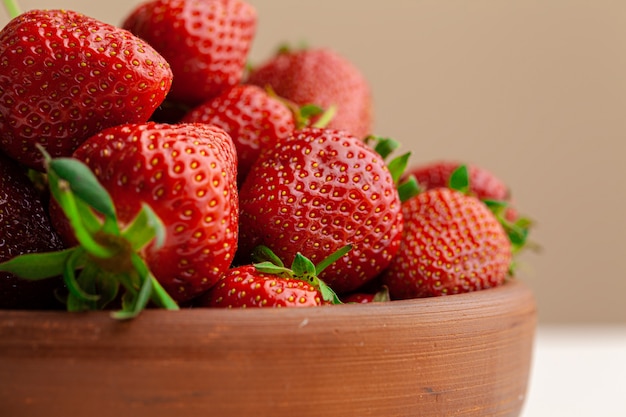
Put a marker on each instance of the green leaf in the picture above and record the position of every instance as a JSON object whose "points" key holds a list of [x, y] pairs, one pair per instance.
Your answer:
{"points": [[302, 266], [158, 294], [408, 188], [269, 267], [459, 180], [138, 303], [398, 165], [309, 110], [84, 184], [327, 293], [333, 257], [69, 278], [145, 227], [326, 117], [37, 266], [383, 146], [262, 253]]}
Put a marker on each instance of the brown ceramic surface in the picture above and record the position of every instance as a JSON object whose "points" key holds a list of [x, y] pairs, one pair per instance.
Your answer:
{"points": [[461, 355]]}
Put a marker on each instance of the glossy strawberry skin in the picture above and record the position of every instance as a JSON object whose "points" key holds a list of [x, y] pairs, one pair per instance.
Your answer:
{"points": [[315, 192], [451, 244], [65, 77], [244, 286], [252, 118], [205, 42], [322, 77], [24, 228], [187, 174]]}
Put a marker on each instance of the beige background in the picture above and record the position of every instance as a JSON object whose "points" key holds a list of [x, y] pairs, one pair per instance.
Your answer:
{"points": [[533, 90]]}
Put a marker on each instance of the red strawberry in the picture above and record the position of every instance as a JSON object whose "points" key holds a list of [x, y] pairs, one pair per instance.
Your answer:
{"points": [[65, 77], [317, 191], [245, 286], [187, 174], [382, 295], [452, 243], [322, 77], [270, 284], [483, 184], [205, 42], [24, 228], [251, 116]]}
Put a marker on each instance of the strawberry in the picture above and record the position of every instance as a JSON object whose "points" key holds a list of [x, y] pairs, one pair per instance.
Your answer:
{"points": [[359, 297], [187, 174], [452, 243], [154, 209], [205, 42], [65, 76], [24, 228], [251, 116], [246, 286], [483, 183], [317, 191], [322, 77], [270, 284]]}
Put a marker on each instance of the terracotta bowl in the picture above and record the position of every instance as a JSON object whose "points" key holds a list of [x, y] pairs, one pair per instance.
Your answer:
{"points": [[459, 355]]}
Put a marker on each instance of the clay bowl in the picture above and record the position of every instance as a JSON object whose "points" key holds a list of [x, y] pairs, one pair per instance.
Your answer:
{"points": [[463, 355]]}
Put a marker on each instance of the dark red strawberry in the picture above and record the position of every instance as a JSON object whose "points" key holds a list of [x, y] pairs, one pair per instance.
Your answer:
{"points": [[205, 42], [24, 228], [382, 295], [322, 77], [452, 243], [317, 191], [65, 77], [251, 116]]}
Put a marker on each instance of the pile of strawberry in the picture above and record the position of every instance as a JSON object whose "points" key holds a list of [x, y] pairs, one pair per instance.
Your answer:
{"points": [[144, 165]]}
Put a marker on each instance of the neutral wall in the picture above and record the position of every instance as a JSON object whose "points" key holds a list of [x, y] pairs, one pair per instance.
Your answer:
{"points": [[534, 90]]}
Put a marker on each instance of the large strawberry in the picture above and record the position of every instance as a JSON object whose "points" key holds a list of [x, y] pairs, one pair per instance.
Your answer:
{"points": [[452, 243], [323, 77], [167, 209], [317, 191], [65, 76], [205, 42], [251, 116], [24, 228]]}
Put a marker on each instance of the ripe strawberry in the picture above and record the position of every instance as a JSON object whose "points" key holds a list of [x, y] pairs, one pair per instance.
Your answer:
{"points": [[245, 286], [359, 297], [205, 42], [483, 184], [452, 243], [24, 228], [315, 192], [322, 77], [187, 174], [251, 116], [65, 77], [269, 283]]}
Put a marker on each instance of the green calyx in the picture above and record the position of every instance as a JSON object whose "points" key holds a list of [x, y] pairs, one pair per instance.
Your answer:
{"points": [[301, 268], [407, 187], [12, 8], [106, 259]]}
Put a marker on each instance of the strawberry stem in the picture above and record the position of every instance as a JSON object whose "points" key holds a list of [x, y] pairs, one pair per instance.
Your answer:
{"points": [[12, 8]]}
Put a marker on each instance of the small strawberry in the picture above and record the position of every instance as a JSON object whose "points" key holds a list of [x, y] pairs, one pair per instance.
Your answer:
{"points": [[271, 284], [24, 228], [452, 243], [322, 77], [154, 209], [317, 191], [65, 76], [251, 116], [205, 42], [382, 295]]}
